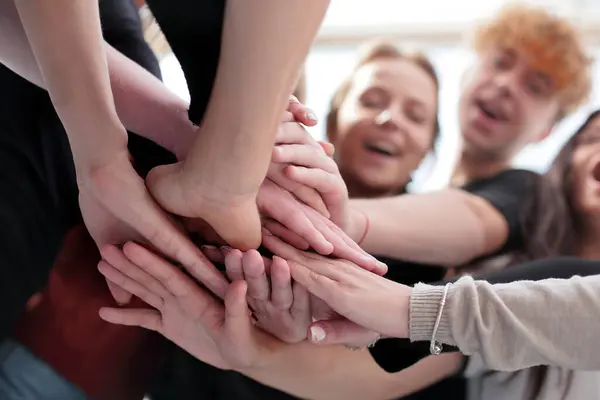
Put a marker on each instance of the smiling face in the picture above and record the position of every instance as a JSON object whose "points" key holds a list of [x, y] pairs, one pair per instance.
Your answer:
{"points": [[585, 173], [532, 69], [506, 104], [385, 125]]}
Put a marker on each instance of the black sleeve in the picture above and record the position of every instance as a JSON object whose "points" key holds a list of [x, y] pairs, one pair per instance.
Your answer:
{"points": [[509, 192], [122, 29], [394, 355]]}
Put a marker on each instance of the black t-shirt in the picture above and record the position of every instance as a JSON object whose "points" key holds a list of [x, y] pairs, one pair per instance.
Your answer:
{"points": [[508, 192], [38, 190]]}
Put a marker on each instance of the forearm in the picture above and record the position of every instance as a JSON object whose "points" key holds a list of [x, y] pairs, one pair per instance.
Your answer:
{"points": [[144, 104], [147, 107], [335, 372], [66, 39], [264, 45], [448, 227], [515, 325]]}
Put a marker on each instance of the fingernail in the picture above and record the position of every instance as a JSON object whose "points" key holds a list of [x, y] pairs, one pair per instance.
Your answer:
{"points": [[312, 116], [317, 334], [293, 99], [208, 247], [382, 267], [226, 248]]}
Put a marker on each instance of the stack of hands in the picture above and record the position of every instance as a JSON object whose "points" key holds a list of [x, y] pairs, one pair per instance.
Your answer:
{"points": [[316, 284]]}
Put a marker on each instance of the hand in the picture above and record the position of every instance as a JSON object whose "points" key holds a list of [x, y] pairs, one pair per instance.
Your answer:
{"points": [[222, 336], [280, 307], [362, 297], [304, 227], [290, 132], [116, 207], [293, 134], [312, 167], [230, 210]]}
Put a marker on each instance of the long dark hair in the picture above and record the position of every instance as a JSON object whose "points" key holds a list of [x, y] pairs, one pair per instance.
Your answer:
{"points": [[549, 219], [550, 223]]}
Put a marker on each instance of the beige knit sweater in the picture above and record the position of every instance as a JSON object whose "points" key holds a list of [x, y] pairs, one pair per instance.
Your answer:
{"points": [[515, 325]]}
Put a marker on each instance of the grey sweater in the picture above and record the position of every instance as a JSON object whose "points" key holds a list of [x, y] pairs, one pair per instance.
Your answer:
{"points": [[516, 325]]}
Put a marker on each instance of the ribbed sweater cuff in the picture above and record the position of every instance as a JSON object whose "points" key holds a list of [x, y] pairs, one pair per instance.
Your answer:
{"points": [[424, 307]]}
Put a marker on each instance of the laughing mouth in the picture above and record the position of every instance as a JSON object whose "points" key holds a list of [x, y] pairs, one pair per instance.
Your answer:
{"points": [[382, 148], [494, 113]]}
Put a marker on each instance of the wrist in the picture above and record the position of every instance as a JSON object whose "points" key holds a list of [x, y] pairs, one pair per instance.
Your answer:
{"points": [[92, 148], [178, 134], [425, 303], [403, 306], [356, 225]]}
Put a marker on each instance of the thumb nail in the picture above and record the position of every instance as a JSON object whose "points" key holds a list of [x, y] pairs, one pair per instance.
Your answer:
{"points": [[317, 334], [312, 116]]}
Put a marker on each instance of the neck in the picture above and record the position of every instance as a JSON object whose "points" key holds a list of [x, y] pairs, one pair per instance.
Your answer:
{"points": [[472, 167], [588, 243]]}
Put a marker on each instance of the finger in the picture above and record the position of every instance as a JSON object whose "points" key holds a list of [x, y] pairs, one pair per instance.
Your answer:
{"points": [[167, 274], [327, 147], [291, 216], [117, 278], [149, 319], [120, 295], [190, 297], [302, 155], [254, 274], [317, 284], [213, 253], [300, 309], [288, 117], [341, 331], [282, 295], [305, 194], [302, 113], [238, 326], [285, 234], [278, 247], [345, 247], [329, 185], [293, 133], [117, 259], [233, 265]]}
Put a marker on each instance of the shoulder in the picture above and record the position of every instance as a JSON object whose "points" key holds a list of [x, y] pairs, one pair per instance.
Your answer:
{"points": [[516, 179]]}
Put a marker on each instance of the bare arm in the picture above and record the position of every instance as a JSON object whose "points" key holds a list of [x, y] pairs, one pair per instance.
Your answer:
{"points": [[334, 372], [66, 39], [264, 45], [448, 227], [143, 103]]}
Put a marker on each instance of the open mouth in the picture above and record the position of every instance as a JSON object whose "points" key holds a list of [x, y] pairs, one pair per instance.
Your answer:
{"points": [[596, 172], [382, 148], [492, 112]]}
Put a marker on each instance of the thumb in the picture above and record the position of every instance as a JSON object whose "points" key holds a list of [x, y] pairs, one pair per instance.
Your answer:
{"points": [[341, 331]]}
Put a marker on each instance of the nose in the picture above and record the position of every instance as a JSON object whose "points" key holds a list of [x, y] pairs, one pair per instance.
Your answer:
{"points": [[506, 82], [390, 118]]}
